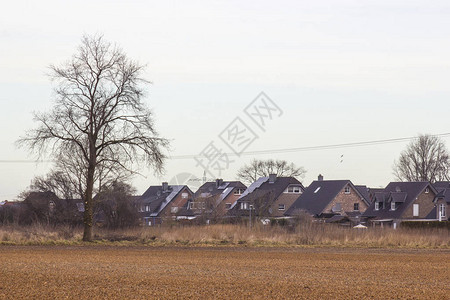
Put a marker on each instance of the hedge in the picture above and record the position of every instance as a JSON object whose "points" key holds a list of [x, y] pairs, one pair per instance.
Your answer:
{"points": [[425, 224]]}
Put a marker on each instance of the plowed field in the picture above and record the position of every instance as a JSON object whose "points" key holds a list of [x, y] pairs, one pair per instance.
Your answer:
{"points": [[46, 272]]}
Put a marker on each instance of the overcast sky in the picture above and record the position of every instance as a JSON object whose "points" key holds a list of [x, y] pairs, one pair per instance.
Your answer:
{"points": [[340, 71]]}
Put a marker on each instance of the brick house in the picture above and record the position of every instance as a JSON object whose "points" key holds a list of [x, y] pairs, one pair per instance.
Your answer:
{"points": [[268, 197], [402, 201], [163, 202], [215, 198], [326, 199], [48, 207]]}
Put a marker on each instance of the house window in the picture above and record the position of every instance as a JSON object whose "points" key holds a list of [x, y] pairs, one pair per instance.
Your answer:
{"points": [[244, 205], [147, 208], [392, 205], [347, 190], [227, 205], [377, 205], [281, 207], [80, 206], [184, 195], [415, 210], [336, 207], [427, 190], [442, 212], [198, 205], [51, 206], [293, 189], [355, 206], [239, 191]]}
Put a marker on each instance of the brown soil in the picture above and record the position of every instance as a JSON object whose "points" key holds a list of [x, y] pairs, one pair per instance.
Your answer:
{"points": [[58, 272]]}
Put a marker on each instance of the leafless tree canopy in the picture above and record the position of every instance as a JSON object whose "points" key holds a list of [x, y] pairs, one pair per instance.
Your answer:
{"points": [[99, 122], [57, 182], [260, 168], [424, 159]]}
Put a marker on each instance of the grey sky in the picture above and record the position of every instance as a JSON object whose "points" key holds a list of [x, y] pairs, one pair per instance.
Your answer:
{"points": [[342, 71]]}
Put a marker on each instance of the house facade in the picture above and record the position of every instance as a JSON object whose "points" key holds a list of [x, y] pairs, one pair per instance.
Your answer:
{"points": [[402, 201], [268, 197], [325, 199], [163, 202], [215, 198]]}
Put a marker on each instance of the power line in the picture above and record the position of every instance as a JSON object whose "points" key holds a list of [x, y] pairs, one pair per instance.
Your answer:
{"points": [[321, 147], [277, 151]]}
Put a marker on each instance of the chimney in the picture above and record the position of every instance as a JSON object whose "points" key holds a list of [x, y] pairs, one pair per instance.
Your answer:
{"points": [[165, 186], [219, 182], [320, 177], [272, 178]]}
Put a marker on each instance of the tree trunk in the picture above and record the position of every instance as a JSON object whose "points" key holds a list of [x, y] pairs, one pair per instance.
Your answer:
{"points": [[88, 218]]}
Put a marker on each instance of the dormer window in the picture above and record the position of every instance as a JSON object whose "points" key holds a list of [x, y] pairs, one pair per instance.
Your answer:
{"points": [[393, 206], [347, 190], [239, 191], [294, 189], [377, 205]]}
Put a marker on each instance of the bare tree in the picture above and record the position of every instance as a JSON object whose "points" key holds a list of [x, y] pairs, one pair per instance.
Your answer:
{"points": [[426, 158], [260, 168], [98, 119]]}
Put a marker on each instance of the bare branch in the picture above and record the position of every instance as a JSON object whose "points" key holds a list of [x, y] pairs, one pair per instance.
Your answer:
{"points": [[261, 168]]}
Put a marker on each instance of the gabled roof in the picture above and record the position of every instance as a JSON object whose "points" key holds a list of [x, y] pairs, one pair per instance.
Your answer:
{"points": [[212, 188], [441, 185], [364, 191], [444, 193], [318, 195], [403, 193], [381, 197], [158, 199], [263, 187], [398, 197]]}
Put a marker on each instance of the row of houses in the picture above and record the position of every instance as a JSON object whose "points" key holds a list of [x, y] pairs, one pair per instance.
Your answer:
{"points": [[272, 197], [331, 201]]}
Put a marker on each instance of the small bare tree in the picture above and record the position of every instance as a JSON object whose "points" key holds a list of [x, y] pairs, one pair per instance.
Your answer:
{"points": [[260, 168], [98, 120], [426, 158]]}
